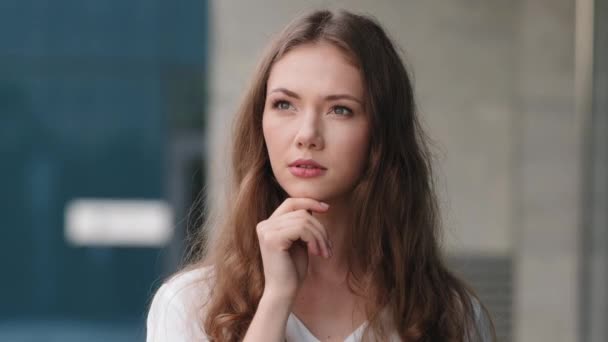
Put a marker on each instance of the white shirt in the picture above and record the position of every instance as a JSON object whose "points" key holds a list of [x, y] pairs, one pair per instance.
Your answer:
{"points": [[176, 313]]}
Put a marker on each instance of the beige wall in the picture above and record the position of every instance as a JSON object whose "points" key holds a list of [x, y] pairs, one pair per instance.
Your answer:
{"points": [[494, 81], [548, 172]]}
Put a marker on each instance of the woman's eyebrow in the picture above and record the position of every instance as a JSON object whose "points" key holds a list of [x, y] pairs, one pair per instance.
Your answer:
{"points": [[343, 96], [327, 98], [286, 92]]}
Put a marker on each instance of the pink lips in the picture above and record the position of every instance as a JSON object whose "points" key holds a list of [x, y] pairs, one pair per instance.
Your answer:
{"points": [[306, 168]]}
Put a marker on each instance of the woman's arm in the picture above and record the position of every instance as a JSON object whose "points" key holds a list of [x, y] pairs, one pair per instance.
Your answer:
{"points": [[270, 319], [285, 239]]}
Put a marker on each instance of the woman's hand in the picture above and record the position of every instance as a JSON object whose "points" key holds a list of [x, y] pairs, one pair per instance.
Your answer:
{"points": [[286, 238]]}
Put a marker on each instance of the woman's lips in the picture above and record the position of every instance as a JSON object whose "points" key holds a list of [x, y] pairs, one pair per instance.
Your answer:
{"points": [[306, 172]]}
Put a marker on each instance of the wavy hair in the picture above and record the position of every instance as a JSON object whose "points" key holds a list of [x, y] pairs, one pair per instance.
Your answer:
{"points": [[394, 256]]}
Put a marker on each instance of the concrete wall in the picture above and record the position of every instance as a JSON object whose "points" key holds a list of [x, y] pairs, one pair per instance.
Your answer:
{"points": [[547, 175], [592, 97]]}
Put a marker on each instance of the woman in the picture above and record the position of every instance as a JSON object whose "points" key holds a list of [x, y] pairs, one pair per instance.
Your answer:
{"points": [[331, 227]]}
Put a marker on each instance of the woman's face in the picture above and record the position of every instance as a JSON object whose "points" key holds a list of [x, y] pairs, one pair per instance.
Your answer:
{"points": [[315, 110]]}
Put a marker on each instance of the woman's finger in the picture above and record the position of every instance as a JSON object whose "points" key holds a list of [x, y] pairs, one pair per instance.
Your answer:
{"points": [[298, 203], [282, 235], [305, 233], [319, 229], [302, 217]]}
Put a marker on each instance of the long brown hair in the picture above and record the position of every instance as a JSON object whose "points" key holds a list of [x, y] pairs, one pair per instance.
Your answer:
{"points": [[396, 223]]}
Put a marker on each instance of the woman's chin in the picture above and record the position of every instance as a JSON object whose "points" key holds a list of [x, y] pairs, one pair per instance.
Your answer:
{"points": [[305, 194], [315, 194]]}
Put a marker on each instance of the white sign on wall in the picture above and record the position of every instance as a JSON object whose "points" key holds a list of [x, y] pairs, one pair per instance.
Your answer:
{"points": [[118, 222]]}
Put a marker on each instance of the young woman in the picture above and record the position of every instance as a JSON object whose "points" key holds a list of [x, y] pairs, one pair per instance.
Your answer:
{"points": [[331, 229]]}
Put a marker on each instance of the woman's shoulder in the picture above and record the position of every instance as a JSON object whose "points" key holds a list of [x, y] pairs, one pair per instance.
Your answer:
{"points": [[176, 310], [483, 327], [479, 325], [191, 280], [186, 287]]}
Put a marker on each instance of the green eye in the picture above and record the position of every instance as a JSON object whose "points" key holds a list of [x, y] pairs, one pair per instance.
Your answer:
{"points": [[343, 111], [282, 105]]}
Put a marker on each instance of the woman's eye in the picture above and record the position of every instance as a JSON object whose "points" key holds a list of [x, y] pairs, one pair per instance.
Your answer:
{"points": [[343, 111], [282, 105]]}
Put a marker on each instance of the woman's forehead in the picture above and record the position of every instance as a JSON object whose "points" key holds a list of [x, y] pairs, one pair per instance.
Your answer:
{"points": [[319, 66]]}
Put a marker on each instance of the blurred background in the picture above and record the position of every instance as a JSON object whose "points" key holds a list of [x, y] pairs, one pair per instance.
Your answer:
{"points": [[114, 119]]}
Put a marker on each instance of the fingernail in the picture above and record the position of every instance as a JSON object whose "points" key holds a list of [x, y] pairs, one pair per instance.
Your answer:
{"points": [[324, 205]]}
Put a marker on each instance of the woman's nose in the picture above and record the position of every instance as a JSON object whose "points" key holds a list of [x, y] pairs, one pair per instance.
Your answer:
{"points": [[309, 134]]}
